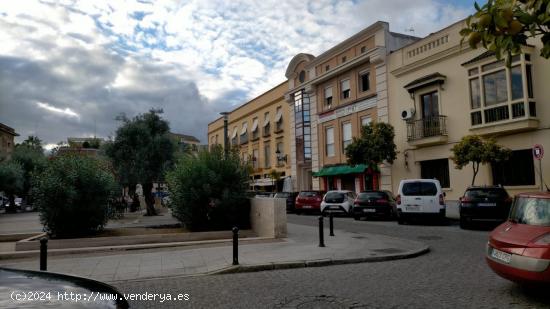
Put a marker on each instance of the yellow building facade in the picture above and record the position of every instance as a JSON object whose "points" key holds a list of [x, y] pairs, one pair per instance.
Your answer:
{"points": [[260, 130], [440, 91]]}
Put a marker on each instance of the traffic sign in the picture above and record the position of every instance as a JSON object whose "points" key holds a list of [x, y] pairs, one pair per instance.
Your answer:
{"points": [[538, 152]]}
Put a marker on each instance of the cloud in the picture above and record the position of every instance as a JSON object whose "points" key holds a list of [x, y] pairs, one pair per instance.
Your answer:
{"points": [[65, 112], [96, 59]]}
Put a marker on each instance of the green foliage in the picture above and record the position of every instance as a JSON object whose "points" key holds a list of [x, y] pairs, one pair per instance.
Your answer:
{"points": [[141, 152], [208, 191], [73, 195], [33, 142], [473, 149], [375, 145], [32, 161], [11, 177], [503, 26]]}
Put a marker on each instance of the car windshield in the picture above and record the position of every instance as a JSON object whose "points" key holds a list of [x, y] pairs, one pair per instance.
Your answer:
{"points": [[531, 211], [308, 194], [482, 193], [419, 189], [371, 195]]}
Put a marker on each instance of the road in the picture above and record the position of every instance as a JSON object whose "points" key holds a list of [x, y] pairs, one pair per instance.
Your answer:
{"points": [[452, 275]]}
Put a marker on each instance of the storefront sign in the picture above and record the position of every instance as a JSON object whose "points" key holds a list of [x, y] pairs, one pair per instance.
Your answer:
{"points": [[348, 110]]}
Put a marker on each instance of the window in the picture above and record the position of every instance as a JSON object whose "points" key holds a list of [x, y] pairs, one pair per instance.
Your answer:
{"points": [[475, 97], [302, 76], [344, 85], [255, 131], [266, 126], [279, 119], [363, 49], [327, 67], [436, 169], [328, 96], [495, 88], [364, 80], [516, 82], [244, 133], [255, 158], [365, 121], [346, 135], [419, 188], [518, 170], [267, 156], [329, 142], [344, 59], [279, 149]]}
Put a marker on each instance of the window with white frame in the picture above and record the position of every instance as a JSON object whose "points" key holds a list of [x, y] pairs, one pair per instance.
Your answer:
{"points": [[328, 96], [366, 120], [499, 93], [346, 135], [345, 86], [329, 142], [279, 119]]}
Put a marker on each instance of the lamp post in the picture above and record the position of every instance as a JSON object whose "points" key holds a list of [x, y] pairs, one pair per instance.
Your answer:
{"points": [[225, 137]]}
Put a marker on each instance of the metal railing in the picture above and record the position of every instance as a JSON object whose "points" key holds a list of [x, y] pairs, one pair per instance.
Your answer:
{"points": [[426, 127]]}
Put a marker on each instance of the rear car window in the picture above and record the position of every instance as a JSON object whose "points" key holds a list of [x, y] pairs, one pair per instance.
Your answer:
{"points": [[419, 189], [483, 193], [531, 211], [334, 197], [309, 194], [371, 195]]}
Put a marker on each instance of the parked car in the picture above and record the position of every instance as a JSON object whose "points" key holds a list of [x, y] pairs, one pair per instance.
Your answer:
{"points": [[490, 203], [290, 199], [420, 198], [308, 201], [374, 203], [264, 194], [519, 249], [338, 201]]}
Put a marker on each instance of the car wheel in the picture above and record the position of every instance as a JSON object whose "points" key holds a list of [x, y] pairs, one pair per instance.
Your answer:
{"points": [[400, 220], [464, 223], [357, 218]]}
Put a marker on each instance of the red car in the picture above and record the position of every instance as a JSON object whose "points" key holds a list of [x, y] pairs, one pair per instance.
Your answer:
{"points": [[308, 201], [519, 249]]}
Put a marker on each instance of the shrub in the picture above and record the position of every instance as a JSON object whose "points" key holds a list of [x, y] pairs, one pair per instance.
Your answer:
{"points": [[72, 195], [208, 191]]}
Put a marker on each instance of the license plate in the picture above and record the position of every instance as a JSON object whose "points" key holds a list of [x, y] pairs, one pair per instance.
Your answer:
{"points": [[307, 206], [369, 210], [412, 208], [501, 256], [486, 204]]}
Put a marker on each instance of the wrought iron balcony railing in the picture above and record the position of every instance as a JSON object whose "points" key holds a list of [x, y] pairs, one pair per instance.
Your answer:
{"points": [[426, 127]]}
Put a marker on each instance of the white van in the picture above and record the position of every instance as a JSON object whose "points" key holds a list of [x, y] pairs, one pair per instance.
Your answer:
{"points": [[420, 197]]}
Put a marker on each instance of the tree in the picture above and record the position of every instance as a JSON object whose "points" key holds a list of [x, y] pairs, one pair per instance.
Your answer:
{"points": [[275, 176], [141, 152], [473, 149], [208, 190], [375, 145], [32, 160], [33, 142], [11, 181], [503, 26], [73, 195]]}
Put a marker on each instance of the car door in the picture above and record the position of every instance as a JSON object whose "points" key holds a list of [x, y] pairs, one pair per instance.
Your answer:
{"points": [[429, 196]]}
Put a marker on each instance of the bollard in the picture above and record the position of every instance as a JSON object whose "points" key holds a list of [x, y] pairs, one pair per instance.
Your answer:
{"points": [[321, 235], [331, 224], [44, 254], [235, 246]]}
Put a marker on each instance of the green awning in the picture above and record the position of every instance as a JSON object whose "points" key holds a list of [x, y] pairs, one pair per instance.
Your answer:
{"points": [[341, 170]]}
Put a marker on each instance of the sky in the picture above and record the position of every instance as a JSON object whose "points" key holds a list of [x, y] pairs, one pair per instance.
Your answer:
{"points": [[68, 68]]}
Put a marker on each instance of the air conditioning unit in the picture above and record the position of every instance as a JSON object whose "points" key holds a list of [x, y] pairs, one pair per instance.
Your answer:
{"points": [[407, 114]]}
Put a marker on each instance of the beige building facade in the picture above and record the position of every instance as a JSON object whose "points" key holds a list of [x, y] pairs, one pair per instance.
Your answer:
{"points": [[260, 129], [331, 97], [440, 91], [7, 141]]}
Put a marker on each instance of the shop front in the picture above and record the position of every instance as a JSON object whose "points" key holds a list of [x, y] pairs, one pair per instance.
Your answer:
{"points": [[356, 178]]}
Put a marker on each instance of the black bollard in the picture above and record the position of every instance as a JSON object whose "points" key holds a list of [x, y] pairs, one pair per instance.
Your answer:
{"points": [[235, 246], [331, 224], [44, 254], [321, 235]]}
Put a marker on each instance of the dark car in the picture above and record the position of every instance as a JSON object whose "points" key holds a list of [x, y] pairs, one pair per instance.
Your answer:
{"points": [[374, 204], [489, 204], [309, 201], [33, 289], [290, 199]]}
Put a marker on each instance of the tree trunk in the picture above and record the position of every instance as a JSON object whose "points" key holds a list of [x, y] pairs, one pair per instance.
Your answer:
{"points": [[11, 205], [475, 167], [134, 205], [149, 199]]}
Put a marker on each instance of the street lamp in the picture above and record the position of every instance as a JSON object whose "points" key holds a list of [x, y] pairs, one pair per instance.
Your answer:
{"points": [[225, 137]]}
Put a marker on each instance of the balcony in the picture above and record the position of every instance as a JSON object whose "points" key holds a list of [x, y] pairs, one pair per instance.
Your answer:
{"points": [[504, 119], [427, 131]]}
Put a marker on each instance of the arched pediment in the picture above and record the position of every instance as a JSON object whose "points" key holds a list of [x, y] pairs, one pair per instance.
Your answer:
{"points": [[291, 69]]}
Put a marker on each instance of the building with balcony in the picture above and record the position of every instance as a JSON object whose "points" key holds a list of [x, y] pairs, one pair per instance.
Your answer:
{"points": [[331, 97], [441, 90], [260, 130], [7, 143]]}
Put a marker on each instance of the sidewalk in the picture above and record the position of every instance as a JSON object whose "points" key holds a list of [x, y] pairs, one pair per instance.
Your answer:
{"points": [[300, 249]]}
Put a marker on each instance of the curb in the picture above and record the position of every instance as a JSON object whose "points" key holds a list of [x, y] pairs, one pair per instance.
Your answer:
{"points": [[319, 263]]}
